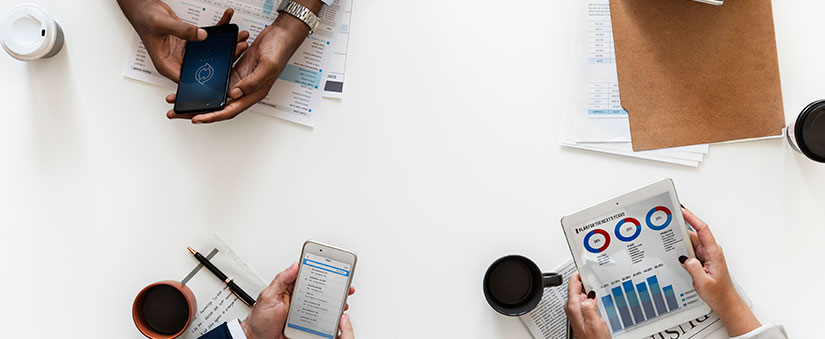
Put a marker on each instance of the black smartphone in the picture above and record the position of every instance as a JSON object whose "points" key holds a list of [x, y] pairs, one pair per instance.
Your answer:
{"points": [[204, 75]]}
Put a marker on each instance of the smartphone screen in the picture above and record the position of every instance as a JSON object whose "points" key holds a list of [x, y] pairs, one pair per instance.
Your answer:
{"points": [[320, 294], [204, 76]]}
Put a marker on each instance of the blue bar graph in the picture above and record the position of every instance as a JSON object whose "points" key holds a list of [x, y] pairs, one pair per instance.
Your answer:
{"points": [[631, 304], [653, 282], [671, 298], [635, 307], [622, 304], [612, 316], [646, 302]]}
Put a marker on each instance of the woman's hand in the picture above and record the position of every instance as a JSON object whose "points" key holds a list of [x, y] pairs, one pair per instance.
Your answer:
{"points": [[712, 280], [583, 311]]}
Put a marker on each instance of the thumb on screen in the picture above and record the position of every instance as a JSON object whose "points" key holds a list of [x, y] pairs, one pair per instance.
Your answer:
{"points": [[695, 269], [346, 328], [183, 30]]}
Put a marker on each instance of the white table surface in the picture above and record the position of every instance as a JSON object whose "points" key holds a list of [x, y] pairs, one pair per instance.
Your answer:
{"points": [[443, 156]]}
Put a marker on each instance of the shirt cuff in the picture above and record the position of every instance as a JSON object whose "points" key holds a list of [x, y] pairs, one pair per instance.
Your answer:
{"points": [[765, 332], [235, 329], [328, 2]]}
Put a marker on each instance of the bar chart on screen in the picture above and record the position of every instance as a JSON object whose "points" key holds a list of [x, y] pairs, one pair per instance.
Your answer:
{"points": [[632, 302]]}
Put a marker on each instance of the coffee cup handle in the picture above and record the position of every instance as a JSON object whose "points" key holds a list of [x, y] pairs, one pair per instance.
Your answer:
{"points": [[551, 279]]}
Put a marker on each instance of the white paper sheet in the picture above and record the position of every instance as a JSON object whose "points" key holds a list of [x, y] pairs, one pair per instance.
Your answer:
{"points": [[297, 91], [337, 65], [601, 124], [216, 303], [628, 151], [601, 117], [667, 152]]}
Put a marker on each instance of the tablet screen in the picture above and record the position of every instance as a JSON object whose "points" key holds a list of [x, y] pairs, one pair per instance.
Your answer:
{"points": [[630, 258]]}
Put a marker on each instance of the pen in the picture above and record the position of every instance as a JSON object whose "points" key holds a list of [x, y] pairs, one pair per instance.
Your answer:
{"points": [[229, 282]]}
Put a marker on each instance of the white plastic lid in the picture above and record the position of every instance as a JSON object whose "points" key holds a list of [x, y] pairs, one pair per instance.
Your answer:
{"points": [[28, 32]]}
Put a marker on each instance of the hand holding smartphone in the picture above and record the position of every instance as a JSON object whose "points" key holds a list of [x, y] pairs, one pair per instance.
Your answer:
{"points": [[321, 289], [204, 76]]}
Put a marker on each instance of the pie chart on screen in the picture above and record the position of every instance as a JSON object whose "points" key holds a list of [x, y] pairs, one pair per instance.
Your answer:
{"points": [[628, 229], [596, 241], [659, 218]]}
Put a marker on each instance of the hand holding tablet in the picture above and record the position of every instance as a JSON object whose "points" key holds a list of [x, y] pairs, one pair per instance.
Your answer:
{"points": [[627, 251], [598, 307], [583, 311], [712, 281]]}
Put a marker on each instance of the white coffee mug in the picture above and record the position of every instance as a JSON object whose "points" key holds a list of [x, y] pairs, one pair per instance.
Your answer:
{"points": [[28, 32]]}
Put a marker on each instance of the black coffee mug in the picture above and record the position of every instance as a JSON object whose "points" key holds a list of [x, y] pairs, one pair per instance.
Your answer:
{"points": [[807, 133], [513, 285]]}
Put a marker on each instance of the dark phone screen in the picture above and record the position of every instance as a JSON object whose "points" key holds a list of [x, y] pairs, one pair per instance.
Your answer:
{"points": [[205, 72]]}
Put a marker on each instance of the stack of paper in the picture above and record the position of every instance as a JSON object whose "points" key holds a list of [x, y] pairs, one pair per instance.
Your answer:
{"points": [[315, 70], [601, 124]]}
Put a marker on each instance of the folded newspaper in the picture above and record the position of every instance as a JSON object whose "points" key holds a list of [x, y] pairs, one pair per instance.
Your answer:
{"points": [[548, 320]]}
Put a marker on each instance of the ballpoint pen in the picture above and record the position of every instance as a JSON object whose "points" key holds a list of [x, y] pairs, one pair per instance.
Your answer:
{"points": [[228, 281]]}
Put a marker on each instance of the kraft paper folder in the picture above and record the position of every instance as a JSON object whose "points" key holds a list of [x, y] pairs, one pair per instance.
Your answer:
{"points": [[695, 74]]}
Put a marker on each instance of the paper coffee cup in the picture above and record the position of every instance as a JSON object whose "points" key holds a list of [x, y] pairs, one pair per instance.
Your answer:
{"points": [[28, 32], [807, 133]]}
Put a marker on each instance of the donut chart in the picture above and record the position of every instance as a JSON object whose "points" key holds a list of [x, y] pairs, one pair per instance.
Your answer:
{"points": [[664, 225], [603, 247], [618, 230]]}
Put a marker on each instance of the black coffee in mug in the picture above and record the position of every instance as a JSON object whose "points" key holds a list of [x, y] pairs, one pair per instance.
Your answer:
{"points": [[165, 309], [513, 285]]}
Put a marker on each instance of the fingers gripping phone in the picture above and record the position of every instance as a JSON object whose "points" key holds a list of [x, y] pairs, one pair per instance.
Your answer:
{"points": [[324, 277], [204, 75]]}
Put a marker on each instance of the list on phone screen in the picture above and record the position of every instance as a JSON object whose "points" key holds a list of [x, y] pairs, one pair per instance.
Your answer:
{"points": [[319, 293]]}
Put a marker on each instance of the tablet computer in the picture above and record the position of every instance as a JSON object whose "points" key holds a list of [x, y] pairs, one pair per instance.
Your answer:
{"points": [[627, 250]]}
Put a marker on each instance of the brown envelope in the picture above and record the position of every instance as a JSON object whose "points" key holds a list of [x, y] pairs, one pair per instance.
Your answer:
{"points": [[691, 74]]}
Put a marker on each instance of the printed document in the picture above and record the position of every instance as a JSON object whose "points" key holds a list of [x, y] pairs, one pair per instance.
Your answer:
{"points": [[216, 302], [297, 91], [601, 124], [602, 84], [335, 68]]}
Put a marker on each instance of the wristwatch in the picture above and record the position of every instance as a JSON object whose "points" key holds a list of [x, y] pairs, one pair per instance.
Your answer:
{"points": [[302, 13]]}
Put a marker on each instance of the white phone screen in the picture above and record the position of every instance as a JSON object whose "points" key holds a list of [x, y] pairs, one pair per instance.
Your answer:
{"points": [[319, 294]]}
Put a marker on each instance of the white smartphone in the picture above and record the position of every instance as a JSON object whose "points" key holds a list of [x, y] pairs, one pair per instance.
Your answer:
{"points": [[324, 277]]}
